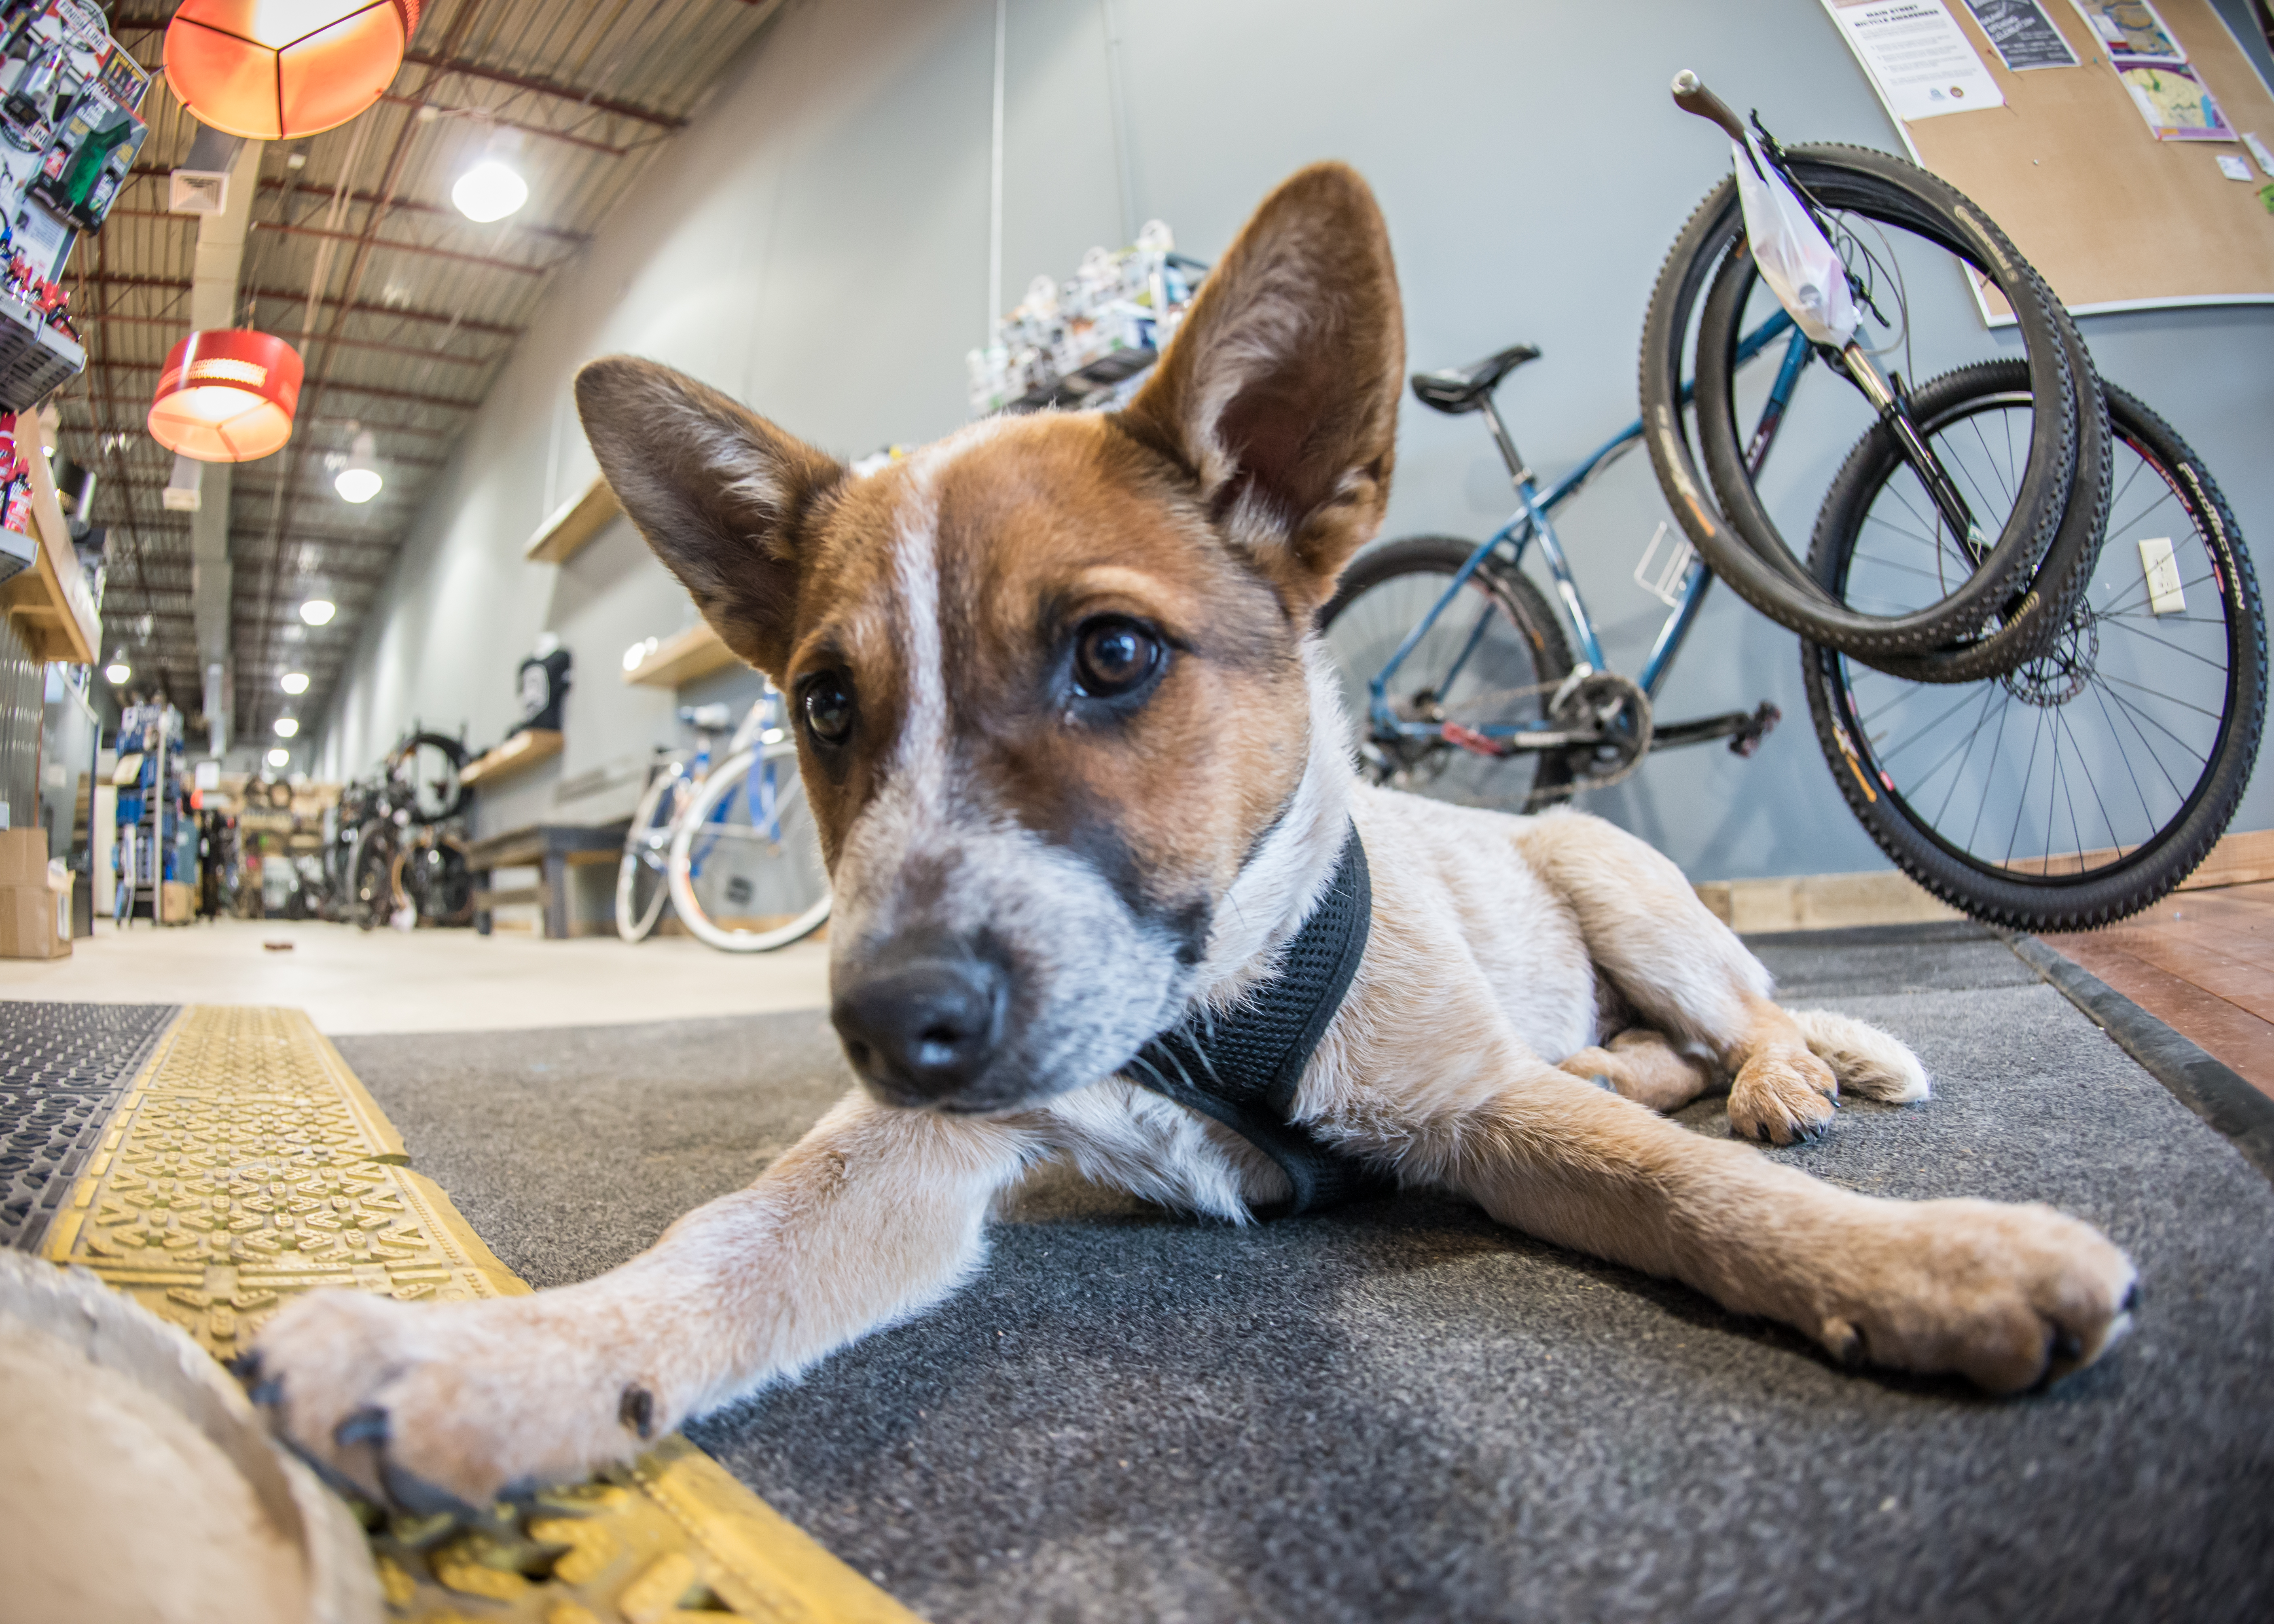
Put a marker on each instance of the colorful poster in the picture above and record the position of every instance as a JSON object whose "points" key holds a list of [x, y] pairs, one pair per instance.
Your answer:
{"points": [[2023, 36], [2133, 31], [2153, 64], [2174, 102], [1917, 55]]}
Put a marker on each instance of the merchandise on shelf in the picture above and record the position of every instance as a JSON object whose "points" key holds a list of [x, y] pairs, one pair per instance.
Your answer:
{"points": [[69, 127], [1072, 342]]}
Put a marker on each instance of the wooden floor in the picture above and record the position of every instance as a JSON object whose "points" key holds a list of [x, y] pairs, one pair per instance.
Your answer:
{"points": [[2201, 961]]}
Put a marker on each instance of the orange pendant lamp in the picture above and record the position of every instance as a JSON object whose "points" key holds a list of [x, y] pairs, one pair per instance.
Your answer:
{"points": [[227, 395], [278, 70]]}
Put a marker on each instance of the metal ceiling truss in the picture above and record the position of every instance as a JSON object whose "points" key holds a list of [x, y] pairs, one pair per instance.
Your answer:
{"points": [[404, 311]]}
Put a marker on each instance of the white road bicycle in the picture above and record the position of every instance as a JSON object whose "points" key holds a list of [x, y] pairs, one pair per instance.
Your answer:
{"points": [[733, 846]]}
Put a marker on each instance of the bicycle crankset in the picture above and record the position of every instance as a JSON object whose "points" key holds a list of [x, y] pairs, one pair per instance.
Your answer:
{"points": [[1617, 713]]}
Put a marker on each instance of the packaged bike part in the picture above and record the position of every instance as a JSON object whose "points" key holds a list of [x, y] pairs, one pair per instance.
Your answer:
{"points": [[543, 681], [1793, 256]]}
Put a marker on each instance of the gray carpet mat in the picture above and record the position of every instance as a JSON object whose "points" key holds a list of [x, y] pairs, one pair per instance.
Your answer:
{"points": [[63, 1067], [1403, 1412]]}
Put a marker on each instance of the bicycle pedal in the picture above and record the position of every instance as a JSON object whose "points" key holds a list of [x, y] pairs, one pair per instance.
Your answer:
{"points": [[1761, 726]]}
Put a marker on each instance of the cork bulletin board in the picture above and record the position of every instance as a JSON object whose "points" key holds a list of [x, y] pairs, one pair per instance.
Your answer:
{"points": [[2113, 217]]}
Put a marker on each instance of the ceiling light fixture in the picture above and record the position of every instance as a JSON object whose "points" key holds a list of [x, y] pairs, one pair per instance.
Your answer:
{"points": [[279, 756], [226, 395], [293, 682], [286, 728], [318, 611], [279, 71], [118, 671], [358, 480], [490, 191]]}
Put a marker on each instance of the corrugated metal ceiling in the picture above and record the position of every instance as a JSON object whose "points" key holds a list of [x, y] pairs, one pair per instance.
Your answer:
{"points": [[416, 306]]}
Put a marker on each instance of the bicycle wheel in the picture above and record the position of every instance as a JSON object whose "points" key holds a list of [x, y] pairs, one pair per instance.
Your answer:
{"points": [[430, 764], [1866, 192], [642, 882], [439, 884], [746, 871], [2027, 621], [2087, 783], [1495, 656], [371, 894]]}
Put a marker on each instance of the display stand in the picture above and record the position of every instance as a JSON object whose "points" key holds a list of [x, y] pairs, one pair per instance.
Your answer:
{"points": [[523, 751], [573, 525], [49, 602], [695, 652]]}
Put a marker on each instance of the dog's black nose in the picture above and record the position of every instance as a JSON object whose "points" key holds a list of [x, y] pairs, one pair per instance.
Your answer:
{"points": [[922, 1026]]}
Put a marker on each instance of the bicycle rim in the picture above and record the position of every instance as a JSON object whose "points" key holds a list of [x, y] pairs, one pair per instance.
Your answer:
{"points": [[2090, 780], [1493, 659], [746, 871], [642, 880]]}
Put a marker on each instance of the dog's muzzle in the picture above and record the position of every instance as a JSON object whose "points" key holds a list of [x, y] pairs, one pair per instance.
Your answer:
{"points": [[923, 1024]]}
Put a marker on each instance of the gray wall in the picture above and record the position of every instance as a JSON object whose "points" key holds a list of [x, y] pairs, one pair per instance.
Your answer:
{"points": [[817, 245]]}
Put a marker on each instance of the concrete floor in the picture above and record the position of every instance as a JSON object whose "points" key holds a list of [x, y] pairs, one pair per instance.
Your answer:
{"points": [[429, 981]]}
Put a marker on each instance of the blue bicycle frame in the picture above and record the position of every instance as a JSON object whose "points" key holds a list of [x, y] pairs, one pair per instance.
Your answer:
{"points": [[1531, 523]]}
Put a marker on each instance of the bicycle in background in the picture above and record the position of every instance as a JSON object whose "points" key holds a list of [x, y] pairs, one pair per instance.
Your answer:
{"points": [[730, 844], [2045, 733]]}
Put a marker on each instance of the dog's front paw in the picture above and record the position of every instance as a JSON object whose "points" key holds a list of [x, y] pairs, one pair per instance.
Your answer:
{"points": [[2008, 1297], [441, 1407], [1782, 1096]]}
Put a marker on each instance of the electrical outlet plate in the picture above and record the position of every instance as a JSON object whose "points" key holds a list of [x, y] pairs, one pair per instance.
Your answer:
{"points": [[2161, 566]]}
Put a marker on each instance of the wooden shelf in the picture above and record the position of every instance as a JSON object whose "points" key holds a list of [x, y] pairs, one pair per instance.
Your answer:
{"points": [[48, 601], [677, 661], [573, 525], [526, 748]]}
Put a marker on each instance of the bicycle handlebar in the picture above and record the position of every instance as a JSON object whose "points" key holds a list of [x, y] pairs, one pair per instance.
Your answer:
{"points": [[1691, 96]]}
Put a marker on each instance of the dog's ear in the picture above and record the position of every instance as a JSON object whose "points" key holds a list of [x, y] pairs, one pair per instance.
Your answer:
{"points": [[720, 493], [1279, 395]]}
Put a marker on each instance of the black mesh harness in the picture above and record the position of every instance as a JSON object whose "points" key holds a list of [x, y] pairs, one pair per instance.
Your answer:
{"points": [[1242, 1066]]}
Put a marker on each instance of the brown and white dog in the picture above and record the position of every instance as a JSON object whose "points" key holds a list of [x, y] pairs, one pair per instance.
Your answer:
{"points": [[1078, 766]]}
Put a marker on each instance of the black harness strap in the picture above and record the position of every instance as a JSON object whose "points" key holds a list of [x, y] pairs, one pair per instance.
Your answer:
{"points": [[1242, 1066]]}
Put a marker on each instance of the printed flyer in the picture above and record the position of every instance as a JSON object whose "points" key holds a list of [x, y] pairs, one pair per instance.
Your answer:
{"points": [[1917, 57]]}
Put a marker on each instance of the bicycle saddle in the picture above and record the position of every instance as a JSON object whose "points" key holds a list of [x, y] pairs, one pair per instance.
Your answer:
{"points": [[1465, 388]]}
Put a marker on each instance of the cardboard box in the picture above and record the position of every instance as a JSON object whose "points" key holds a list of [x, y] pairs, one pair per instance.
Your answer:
{"points": [[177, 902], [28, 922], [23, 856]]}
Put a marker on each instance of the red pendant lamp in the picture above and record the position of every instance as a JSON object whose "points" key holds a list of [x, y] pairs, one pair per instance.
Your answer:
{"points": [[278, 70], [227, 395]]}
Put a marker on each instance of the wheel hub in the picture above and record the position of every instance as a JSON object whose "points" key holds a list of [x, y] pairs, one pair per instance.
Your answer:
{"points": [[2059, 674]]}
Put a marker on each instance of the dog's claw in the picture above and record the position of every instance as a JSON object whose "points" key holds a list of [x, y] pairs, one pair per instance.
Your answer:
{"points": [[367, 1426], [1845, 1342], [635, 1410], [421, 1499], [2132, 1298]]}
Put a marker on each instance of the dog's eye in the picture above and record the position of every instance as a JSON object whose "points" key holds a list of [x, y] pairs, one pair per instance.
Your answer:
{"points": [[829, 709], [1112, 655]]}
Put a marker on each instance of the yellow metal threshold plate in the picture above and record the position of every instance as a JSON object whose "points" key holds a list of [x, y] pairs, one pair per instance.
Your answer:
{"points": [[247, 1163]]}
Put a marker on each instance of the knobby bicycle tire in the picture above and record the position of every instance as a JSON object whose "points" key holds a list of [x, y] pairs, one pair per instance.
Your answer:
{"points": [[1513, 593], [2094, 897], [726, 778], [455, 754], [1884, 188], [2030, 616]]}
